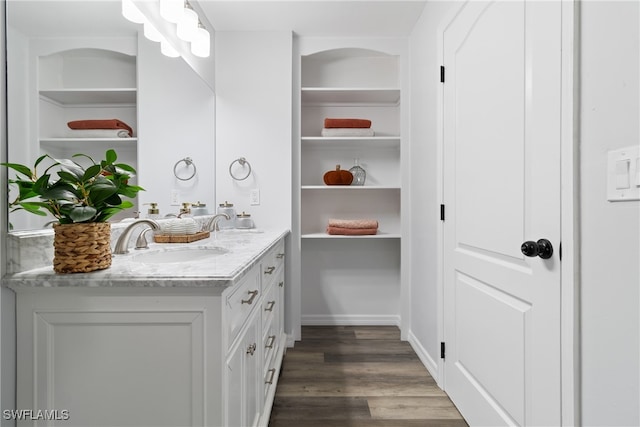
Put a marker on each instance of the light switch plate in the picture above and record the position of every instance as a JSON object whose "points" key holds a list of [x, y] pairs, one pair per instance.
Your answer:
{"points": [[174, 198], [254, 197], [622, 172]]}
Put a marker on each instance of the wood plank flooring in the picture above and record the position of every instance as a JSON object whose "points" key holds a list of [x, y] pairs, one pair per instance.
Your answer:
{"points": [[357, 376]]}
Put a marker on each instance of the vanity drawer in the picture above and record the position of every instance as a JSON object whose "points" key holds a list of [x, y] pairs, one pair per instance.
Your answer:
{"points": [[271, 342], [270, 305], [240, 303], [273, 260]]}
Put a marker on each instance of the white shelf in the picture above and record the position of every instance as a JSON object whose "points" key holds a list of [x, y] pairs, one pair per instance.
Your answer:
{"points": [[380, 235], [62, 143], [349, 187], [321, 96], [351, 142], [91, 96]]}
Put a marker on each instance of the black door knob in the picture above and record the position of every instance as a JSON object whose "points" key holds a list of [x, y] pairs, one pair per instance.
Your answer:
{"points": [[541, 248]]}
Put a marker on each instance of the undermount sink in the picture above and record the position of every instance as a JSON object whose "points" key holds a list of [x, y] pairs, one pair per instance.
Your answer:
{"points": [[179, 255]]}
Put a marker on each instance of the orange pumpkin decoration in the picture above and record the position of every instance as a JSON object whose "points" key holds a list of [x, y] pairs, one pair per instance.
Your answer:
{"points": [[338, 177]]}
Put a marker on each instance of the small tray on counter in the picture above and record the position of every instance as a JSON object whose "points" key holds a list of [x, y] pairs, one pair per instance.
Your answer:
{"points": [[181, 238]]}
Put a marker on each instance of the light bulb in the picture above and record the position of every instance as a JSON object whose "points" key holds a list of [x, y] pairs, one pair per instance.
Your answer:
{"points": [[188, 24], [201, 43], [132, 13], [171, 10], [168, 50], [152, 33]]}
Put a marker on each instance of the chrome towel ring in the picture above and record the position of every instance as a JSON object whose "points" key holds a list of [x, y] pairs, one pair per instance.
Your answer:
{"points": [[243, 163], [189, 162]]}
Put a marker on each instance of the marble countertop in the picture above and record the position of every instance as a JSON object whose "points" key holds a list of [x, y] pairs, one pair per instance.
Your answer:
{"points": [[241, 250]]}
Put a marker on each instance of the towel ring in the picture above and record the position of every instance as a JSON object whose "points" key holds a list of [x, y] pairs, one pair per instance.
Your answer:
{"points": [[189, 162], [242, 162]]}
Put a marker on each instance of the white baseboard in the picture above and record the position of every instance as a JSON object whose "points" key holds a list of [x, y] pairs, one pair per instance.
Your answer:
{"points": [[350, 320], [290, 341], [424, 356]]}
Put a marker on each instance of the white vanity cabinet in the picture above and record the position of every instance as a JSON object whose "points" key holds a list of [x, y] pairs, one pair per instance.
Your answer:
{"points": [[175, 354], [272, 319], [255, 357]]}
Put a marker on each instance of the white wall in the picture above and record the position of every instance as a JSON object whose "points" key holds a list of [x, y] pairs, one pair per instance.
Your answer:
{"points": [[176, 119], [253, 120], [610, 232], [425, 206]]}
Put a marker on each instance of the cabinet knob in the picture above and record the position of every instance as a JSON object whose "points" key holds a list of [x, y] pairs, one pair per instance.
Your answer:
{"points": [[270, 306], [281, 284], [280, 256], [269, 270], [251, 349]]}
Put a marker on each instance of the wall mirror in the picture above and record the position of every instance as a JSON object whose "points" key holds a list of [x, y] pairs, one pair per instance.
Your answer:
{"points": [[82, 60]]}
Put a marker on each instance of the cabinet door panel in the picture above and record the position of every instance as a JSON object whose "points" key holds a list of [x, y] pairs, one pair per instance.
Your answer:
{"points": [[243, 395], [102, 354]]}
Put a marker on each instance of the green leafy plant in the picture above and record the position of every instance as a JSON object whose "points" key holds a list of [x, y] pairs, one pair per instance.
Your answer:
{"points": [[79, 194]]}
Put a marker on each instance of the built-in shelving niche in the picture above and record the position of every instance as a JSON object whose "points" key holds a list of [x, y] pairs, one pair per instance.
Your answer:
{"points": [[351, 279]]}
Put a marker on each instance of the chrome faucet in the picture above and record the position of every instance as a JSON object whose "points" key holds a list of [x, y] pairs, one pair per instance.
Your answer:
{"points": [[212, 225], [141, 241], [123, 241]]}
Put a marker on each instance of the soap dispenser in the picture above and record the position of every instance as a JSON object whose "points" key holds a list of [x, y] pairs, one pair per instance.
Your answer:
{"points": [[185, 210], [153, 212], [198, 209], [227, 208]]}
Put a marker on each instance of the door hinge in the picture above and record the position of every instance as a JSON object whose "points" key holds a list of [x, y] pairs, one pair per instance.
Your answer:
{"points": [[442, 74], [441, 212], [441, 350]]}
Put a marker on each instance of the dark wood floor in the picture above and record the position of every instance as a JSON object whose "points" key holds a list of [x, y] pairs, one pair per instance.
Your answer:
{"points": [[358, 376]]}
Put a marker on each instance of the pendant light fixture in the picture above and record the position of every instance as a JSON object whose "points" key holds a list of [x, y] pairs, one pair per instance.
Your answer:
{"points": [[167, 50], [201, 43], [152, 33], [171, 10], [132, 13], [186, 22]]}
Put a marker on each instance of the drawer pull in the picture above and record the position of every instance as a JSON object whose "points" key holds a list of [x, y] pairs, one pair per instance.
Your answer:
{"points": [[272, 340], [273, 374], [281, 284], [269, 270], [280, 256], [270, 305], [251, 349], [249, 301]]}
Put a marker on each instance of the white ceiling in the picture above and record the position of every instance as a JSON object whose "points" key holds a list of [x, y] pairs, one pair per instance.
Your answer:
{"points": [[39, 18], [315, 18], [356, 18]]}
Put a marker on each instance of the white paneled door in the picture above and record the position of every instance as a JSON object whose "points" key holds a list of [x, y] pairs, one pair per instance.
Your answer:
{"points": [[502, 189]]}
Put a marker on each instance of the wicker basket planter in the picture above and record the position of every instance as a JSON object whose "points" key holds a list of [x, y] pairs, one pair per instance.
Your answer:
{"points": [[81, 247]]}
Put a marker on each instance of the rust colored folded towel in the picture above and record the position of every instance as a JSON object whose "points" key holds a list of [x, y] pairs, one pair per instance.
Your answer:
{"points": [[100, 124], [353, 223], [351, 231], [347, 123]]}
